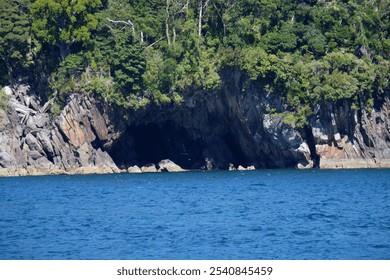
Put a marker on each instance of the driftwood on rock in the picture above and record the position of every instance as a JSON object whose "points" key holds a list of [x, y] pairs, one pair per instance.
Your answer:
{"points": [[23, 109]]}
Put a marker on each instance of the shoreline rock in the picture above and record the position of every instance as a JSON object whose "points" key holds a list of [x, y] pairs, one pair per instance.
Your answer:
{"points": [[241, 168], [87, 170], [73, 143], [149, 168], [134, 169], [353, 164], [32, 171], [167, 165], [89, 137]]}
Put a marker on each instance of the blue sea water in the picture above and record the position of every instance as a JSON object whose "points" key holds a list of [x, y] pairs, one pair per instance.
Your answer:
{"points": [[265, 214]]}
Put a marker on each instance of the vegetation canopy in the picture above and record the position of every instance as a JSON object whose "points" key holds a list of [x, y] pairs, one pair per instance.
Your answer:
{"points": [[133, 52]]}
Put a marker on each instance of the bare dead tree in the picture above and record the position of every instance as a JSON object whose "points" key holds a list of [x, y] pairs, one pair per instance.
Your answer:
{"points": [[126, 22], [152, 44], [168, 3], [173, 9], [202, 13]]}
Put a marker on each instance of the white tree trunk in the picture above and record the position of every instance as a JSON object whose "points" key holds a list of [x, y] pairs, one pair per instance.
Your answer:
{"points": [[167, 22], [200, 18]]}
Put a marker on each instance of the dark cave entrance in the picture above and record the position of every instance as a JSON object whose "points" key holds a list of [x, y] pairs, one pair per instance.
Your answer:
{"points": [[150, 143], [234, 154]]}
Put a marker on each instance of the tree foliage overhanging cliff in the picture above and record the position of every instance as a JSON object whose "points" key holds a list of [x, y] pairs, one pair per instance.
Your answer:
{"points": [[133, 52]]}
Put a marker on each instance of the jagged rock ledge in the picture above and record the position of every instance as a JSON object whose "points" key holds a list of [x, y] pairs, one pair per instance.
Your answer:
{"points": [[11, 172], [326, 164], [32, 144], [164, 165], [225, 130], [353, 164]]}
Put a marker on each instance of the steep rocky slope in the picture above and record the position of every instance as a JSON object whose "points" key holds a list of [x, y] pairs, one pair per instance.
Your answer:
{"points": [[207, 131], [31, 144], [345, 138]]}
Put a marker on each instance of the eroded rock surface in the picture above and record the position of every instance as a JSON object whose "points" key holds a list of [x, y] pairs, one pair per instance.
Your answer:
{"points": [[167, 165], [30, 144], [220, 130], [352, 139]]}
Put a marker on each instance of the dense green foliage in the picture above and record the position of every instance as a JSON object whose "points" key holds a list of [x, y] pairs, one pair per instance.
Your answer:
{"points": [[63, 23], [15, 39], [133, 52]]}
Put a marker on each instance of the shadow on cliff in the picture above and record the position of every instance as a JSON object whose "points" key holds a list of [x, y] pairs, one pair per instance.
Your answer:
{"points": [[149, 143]]}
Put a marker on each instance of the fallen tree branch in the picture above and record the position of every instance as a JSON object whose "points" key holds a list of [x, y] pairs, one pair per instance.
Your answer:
{"points": [[151, 45]]}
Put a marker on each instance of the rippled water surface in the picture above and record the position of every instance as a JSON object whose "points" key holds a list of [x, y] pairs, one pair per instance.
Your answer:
{"points": [[268, 214]]}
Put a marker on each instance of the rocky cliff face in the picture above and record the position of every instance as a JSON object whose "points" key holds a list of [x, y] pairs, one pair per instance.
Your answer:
{"points": [[208, 131], [345, 138], [32, 144], [212, 131]]}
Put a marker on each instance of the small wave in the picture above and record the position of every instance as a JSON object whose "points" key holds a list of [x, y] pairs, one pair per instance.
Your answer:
{"points": [[223, 240], [316, 216], [301, 232], [320, 216], [281, 202], [363, 226], [381, 246], [159, 228], [257, 229], [258, 185], [333, 217]]}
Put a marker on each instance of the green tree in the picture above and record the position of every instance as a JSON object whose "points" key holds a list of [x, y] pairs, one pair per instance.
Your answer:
{"points": [[117, 61], [135, 52], [15, 39], [67, 78], [315, 40], [128, 63], [64, 22]]}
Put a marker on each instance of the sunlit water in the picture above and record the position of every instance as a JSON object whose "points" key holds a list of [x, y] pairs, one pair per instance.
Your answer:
{"points": [[268, 214]]}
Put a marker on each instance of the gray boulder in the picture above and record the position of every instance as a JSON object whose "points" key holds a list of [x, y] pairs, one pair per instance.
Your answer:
{"points": [[134, 169], [167, 165], [149, 168]]}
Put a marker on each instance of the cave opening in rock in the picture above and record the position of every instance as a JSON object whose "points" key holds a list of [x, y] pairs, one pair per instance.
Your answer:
{"points": [[153, 142], [237, 156]]}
